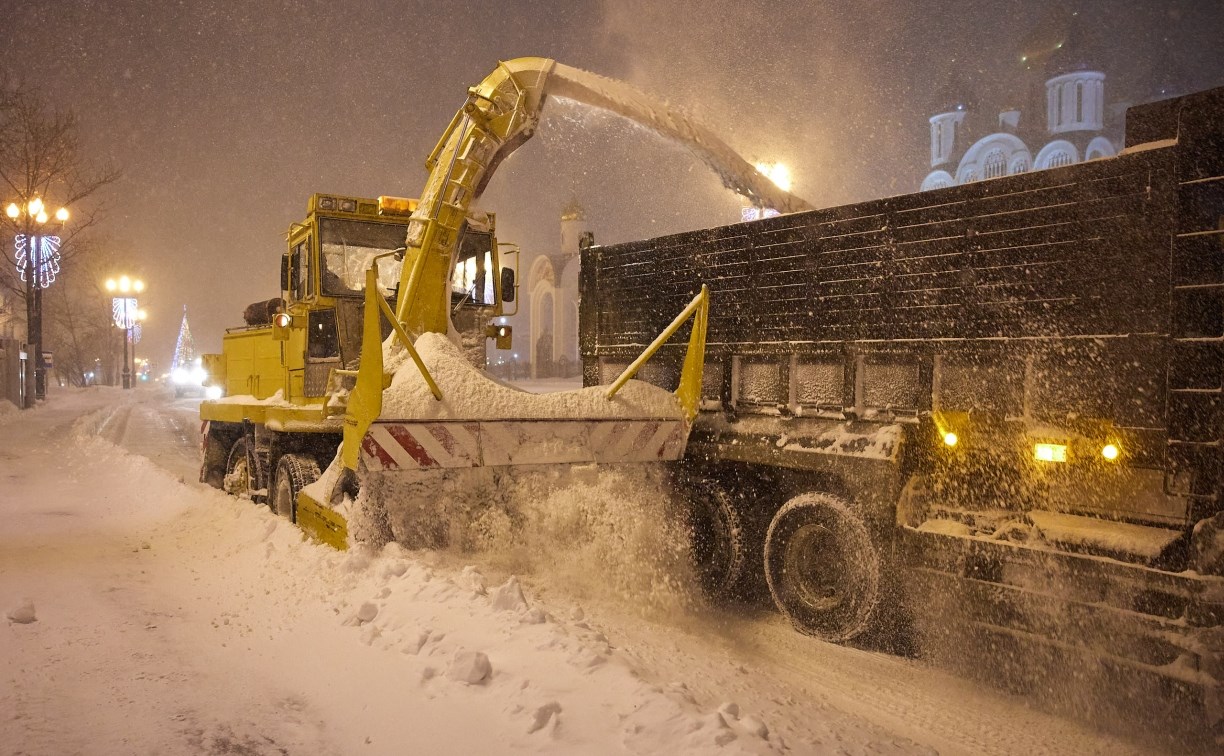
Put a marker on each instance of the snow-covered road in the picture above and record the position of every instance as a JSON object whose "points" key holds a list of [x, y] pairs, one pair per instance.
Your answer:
{"points": [[173, 619]]}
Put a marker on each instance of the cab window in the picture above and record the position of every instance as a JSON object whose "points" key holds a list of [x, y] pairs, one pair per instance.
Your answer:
{"points": [[321, 337], [471, 283]]}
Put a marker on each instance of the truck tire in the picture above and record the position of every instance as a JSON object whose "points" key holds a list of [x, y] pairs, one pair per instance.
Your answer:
{"points": [[293, 473], [822, 567], [717, 539], [241, 479], [216, 459]]}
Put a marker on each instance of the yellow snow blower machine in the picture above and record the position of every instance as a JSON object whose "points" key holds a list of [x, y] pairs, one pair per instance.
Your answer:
{"points": [[363, 348]]}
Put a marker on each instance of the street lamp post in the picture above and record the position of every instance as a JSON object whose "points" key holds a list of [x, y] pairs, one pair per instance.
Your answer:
{"points": [[126, 314], [38, 264]]}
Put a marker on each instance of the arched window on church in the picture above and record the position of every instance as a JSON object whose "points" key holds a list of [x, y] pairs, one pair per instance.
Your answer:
{"points": [[1059, 158], [1019, 165], [994, 164]]}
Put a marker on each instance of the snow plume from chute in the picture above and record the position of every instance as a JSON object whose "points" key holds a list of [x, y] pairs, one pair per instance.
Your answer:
{"points": [[737, 174]]}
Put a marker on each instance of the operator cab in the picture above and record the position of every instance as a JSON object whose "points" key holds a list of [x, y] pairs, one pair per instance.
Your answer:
{"points": [[323, 278]]}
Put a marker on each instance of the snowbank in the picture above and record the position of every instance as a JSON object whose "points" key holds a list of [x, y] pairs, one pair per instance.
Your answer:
{"points": [[172, 618], [8, 411]]}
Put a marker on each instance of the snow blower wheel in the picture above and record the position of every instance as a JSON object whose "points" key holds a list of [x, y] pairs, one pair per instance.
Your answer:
{"points": [[822, 568], [293, 473]]}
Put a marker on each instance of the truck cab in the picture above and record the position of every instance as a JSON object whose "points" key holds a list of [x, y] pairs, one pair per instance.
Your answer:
{"points": [[284, 377], [293, 343]]}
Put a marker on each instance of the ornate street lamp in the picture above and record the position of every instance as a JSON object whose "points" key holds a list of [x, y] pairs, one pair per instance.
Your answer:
{"points": [[38, 264], [126, 314]]}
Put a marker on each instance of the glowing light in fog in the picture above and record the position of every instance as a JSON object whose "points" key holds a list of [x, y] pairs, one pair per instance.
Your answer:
{"points": [[950, 439], [1050, 452], [1110, 452], [777, 173]]}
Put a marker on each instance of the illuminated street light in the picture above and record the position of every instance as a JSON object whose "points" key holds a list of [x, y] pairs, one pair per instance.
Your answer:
{"points": [[38, 265], [126, 315]]}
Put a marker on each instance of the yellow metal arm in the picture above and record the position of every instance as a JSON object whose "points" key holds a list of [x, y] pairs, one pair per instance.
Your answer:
{"points": [[365, 402], [689, 390], [500, 114]]}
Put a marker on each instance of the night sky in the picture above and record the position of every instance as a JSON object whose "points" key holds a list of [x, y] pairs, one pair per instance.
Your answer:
{"points": [[226, 116]]}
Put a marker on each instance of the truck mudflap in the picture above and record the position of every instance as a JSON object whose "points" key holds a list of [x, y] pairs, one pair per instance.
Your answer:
{"points": [[1089, 634], [403, 445]]}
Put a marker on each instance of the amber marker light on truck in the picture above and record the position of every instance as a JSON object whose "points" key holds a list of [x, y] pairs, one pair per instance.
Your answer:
{"points": [[396, 205], [1050, 452]]}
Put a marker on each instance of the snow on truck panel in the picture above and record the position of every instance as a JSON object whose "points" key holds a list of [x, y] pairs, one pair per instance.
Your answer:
{"points": [[469, 394]]}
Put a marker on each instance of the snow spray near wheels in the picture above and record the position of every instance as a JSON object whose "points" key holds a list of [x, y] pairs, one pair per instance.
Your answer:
{"points": [[599, 532]]}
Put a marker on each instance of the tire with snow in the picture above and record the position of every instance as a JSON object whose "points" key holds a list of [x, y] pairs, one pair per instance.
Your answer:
{"points": [[293, 473], [216, 457], [717, 539], [822, 567], [241, 471]]}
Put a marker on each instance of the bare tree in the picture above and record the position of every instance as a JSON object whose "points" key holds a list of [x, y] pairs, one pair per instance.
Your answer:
{"points": [[41, 160], [78, 318]]}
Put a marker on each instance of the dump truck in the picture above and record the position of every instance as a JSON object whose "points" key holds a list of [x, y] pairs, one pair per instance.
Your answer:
{"points": [[347, 383], [999, 404]]}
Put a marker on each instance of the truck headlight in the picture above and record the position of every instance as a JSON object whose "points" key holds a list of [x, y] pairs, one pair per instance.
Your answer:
{"points": [[213, 392]]}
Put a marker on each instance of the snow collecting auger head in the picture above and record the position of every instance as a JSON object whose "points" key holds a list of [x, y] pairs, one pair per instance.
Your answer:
{"points": [[418, 411]]}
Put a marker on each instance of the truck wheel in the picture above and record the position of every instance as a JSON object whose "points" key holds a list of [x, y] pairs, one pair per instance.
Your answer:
{"points": [[718, 541], [293, 473], [822, 568], [216, 459], [240, 479]]}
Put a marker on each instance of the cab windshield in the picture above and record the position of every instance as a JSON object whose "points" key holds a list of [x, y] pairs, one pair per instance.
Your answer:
{"points": [[347, 248]]}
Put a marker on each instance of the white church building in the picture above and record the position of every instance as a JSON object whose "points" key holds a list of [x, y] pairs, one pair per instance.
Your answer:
{"points": [[546, 324], [968, 146]]}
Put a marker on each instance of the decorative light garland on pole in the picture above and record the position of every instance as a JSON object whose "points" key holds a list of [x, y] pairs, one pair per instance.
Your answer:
{"points": [[38, 264], [45, 263], [127, 316]]}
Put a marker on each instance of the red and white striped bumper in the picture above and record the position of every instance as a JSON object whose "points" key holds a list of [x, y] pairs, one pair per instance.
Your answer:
{"points": [[435, 445]]}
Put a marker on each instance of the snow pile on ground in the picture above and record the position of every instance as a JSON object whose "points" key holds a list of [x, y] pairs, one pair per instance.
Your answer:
{"points": [[182, 620], [23, 613], [470, 394], [8, 411]]}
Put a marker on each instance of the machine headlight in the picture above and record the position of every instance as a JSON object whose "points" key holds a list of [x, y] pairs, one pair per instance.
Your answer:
{"points": [[179, 375], [213, 392]]}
